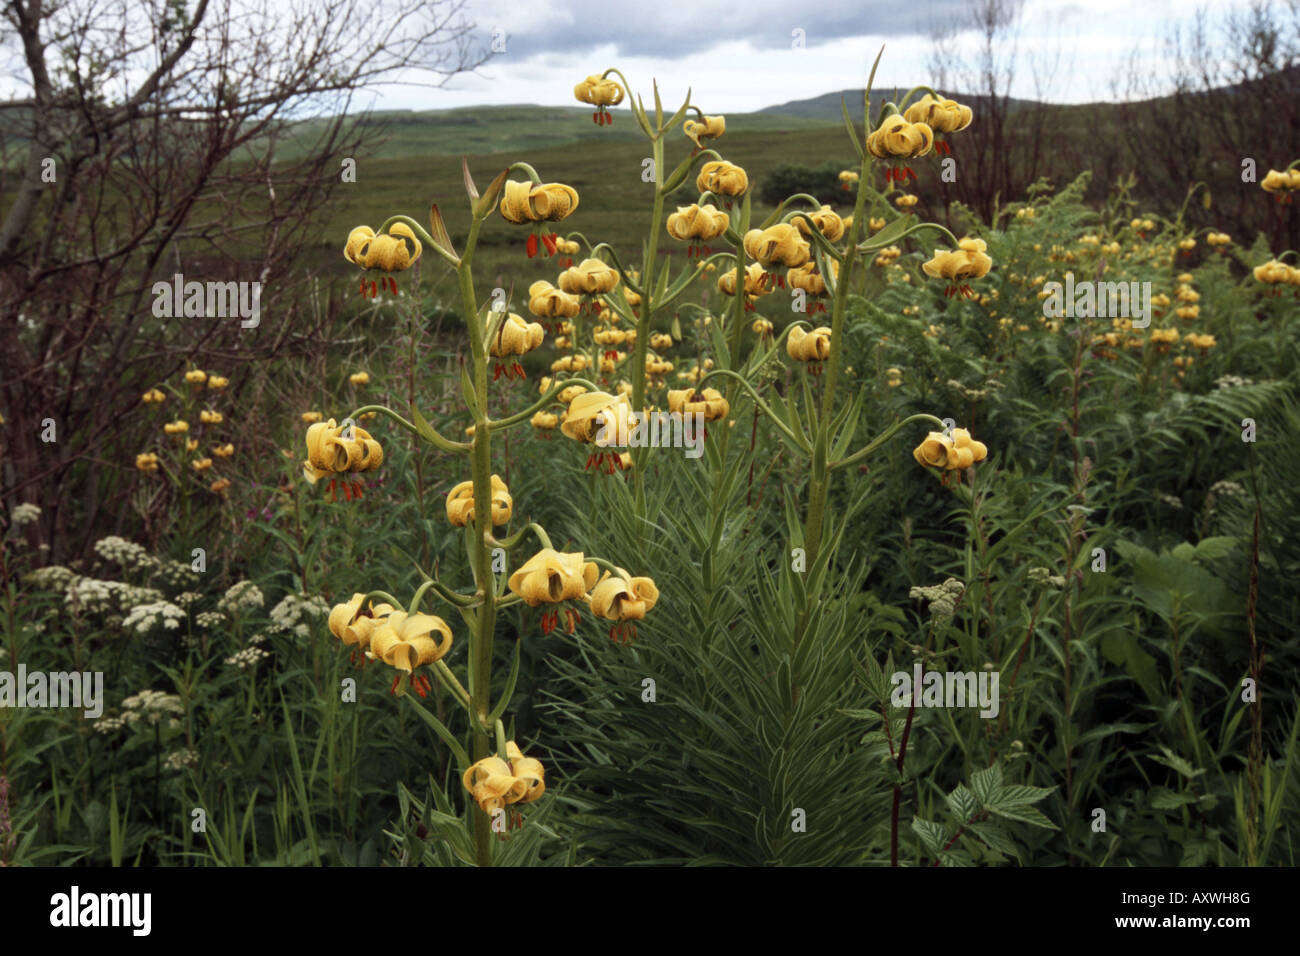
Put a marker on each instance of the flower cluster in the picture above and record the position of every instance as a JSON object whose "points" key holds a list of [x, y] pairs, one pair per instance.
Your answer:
{"points": [[146, 617]]}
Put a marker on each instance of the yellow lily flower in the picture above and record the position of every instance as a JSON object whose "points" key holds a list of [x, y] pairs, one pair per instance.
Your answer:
{"points": [[567, 395], [762, 326], [210, 417], [598, 92], [329, 452], [550, 577], [178, 427], [710, 403], [709, 127], [570, 363], [623, 598], [217, 382], [943, 116], [807, 277], [516, 337], [698, 222], [660, 340], [219, 486], [460, 503], [589, 277], [1273, 271], [493, 785], [814, 346], [146, 461], [201, 464], [529, 770], [192, 445], [196, 376], [1202, 342], [403, 640], [224, 451], [722, 179], [828, 223], [898, 137], [153, 397], [906, 201], [591, 411], [359, 378], [353, 626], [968, 261], [567, 247], [310, 417], [1281, 181], [524, 202], [547, 302], [395, 251], [777, 245], [951, 453], [545, 421], [755, 284]]}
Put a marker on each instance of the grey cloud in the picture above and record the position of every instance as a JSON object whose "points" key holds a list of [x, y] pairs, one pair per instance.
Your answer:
{"points": [[674, 28]]}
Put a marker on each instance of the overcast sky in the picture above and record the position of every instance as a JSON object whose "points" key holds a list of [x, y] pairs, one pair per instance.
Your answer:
{"points": [[751, 58]]}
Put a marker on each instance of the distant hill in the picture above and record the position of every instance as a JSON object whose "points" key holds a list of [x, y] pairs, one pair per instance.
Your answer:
{"points": [[826, 107], [493, 129]]}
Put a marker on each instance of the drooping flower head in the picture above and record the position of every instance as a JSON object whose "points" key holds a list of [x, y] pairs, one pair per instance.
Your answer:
{"points": [[550, 577], [460, 502], [708, 127]]}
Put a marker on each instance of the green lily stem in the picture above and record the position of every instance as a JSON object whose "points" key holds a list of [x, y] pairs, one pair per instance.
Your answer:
{"points": [[643, 323], [371, 595], [880, 439], [480, 691], [819, 480], [531, 410], [450, 681], [423, 235], [514, 539], [384, 410], [607, 565], [795, 440]]}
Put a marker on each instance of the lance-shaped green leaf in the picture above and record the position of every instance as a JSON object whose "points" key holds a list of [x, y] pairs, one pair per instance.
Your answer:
{"points": [[680, 285], [678, 175], [441, 730], [827, 271], [438, 230], [488, 201], [853, 132], [642, 120], [659, 106], [470, 189], [847, 424], [677, 117], [467, 391], [508, 692], [431, 435], [891, 233]]}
